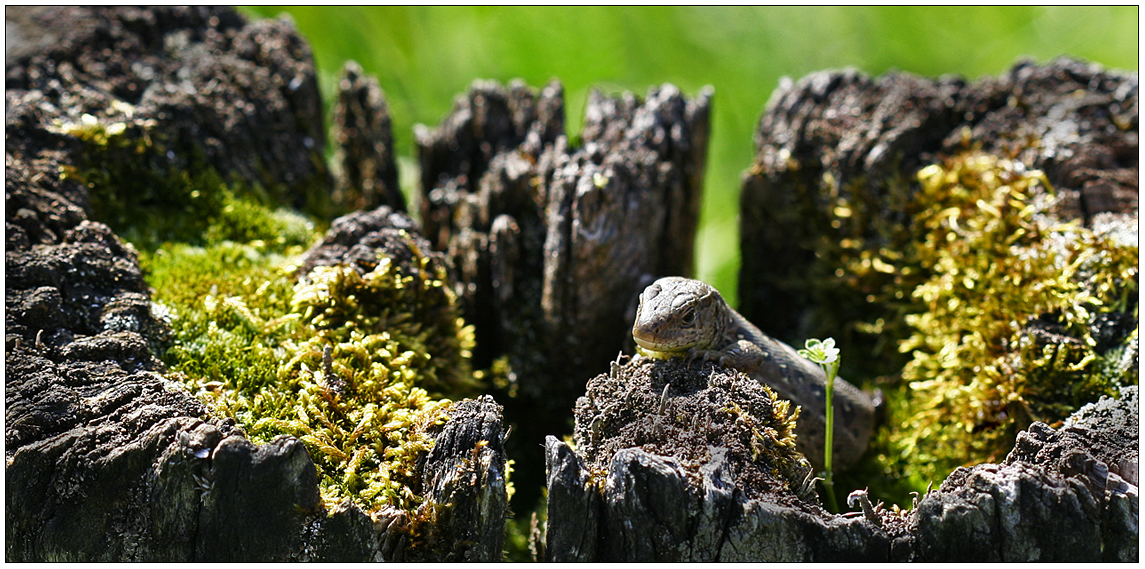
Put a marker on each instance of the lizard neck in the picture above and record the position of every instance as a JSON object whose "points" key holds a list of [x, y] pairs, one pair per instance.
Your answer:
{"points": [[735, 327]]}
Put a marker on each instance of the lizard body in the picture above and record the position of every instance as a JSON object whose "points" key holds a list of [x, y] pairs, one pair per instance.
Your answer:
{"points": [[681, 317]]}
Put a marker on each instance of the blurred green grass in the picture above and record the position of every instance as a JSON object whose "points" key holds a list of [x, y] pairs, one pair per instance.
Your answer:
{"points": [[424, 56]]}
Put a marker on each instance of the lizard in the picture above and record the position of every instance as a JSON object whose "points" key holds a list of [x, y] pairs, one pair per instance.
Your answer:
{"points": [[679, 317]]}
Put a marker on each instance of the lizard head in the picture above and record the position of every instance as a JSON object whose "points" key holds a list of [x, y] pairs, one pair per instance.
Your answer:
{"points": [[677, 314]]}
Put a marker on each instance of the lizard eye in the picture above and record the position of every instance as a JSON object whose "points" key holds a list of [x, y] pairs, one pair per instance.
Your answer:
{"points": [[689, 316]]}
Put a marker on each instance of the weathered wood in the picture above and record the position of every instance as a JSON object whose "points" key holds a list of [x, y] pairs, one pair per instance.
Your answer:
{"points": [[707, 475], [356, 239], [865, 136], [640, 487], [1064, 494], [846, 138], [365, 175], [465, 475], [106, 460], [553, 243], [1058, 495]]}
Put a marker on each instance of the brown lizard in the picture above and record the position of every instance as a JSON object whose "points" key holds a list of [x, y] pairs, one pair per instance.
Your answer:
{"points": [[688, 318]]}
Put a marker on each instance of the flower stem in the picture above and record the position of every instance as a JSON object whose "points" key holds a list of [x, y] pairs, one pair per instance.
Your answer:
{"points": [[826, 355], [828, 479]]}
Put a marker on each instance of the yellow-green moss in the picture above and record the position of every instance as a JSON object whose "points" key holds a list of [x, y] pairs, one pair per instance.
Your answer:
{"points": [[341, 360], [150, 195], [995, 306], [353, 365], [999, 273]]}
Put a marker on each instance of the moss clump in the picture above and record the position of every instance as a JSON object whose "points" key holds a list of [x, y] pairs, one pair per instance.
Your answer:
{"points": [[1006, 314], [344, 361], [346, 306], [340, 360], [861, 286], [150, 195], [1012, 302]]}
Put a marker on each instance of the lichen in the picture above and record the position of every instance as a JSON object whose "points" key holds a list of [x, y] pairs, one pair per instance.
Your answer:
{"points": [[357, 366], [1002, 312]]}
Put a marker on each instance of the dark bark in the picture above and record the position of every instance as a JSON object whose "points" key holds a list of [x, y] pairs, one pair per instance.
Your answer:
{"points": [[573, 530], [465, 475], [1061, 495], [528, 220], [357, 239], [195, 71], [704, 476], [552, 244], [639, 490], [106, 459], [365, 174]]}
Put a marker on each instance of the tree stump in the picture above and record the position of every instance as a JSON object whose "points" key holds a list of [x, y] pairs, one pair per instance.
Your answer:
{"points": [[106, 459], [645, 485], [365, 174], [553, 243], [549, 243], [838, 152], [843, 129]]}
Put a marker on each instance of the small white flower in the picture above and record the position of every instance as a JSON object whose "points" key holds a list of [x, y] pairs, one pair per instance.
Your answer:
{"points": [[599, 180], [823, 352]]}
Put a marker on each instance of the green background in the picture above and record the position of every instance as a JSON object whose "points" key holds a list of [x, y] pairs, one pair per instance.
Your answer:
{"points": [[425, 56]]}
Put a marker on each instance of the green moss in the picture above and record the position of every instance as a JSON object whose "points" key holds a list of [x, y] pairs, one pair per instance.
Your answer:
{"points": [[150, 195], [859, 297], [997, 308], [342, 361], [353, 365], [1011, 300]]}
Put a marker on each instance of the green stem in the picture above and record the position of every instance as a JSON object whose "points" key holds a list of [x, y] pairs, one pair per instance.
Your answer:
{"points": [[828, 480]]}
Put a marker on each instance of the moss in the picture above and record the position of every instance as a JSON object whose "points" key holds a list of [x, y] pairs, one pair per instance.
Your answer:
{"points": [[341, 360], [1001, 312], [150, 195], [1011, 300], [354, 365], [859, 297]]}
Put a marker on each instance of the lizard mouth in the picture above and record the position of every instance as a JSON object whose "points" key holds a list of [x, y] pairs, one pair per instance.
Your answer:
{"points": [[659, 346]]}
